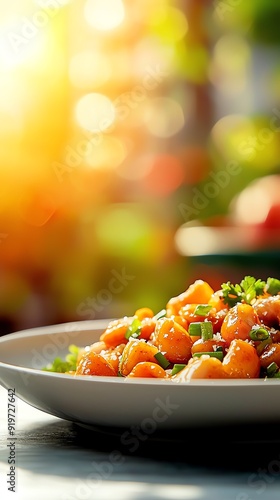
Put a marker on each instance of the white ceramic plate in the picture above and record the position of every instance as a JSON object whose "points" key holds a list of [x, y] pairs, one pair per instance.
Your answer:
{"points": [[151, 404]]}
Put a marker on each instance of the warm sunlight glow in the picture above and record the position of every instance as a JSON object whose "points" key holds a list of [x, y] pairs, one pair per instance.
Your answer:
{"points": [[120, 122], [89, 69], [13, 97], [104, 15], [108, 154], [95, 112], [15, 50], [54, 4]]}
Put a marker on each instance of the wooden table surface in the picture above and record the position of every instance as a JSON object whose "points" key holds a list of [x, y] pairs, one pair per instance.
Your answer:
{"points": [[59, 460]]}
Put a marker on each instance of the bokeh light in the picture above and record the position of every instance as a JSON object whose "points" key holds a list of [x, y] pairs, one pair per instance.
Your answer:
{"points": [[95, 112], [165, 175], [170, 23], [164, 117], [251, 206], [229, 133], [123, 230], [108, 154], [136, 169], [230, 66], [152, 58], [252, 141], [104, 14]]}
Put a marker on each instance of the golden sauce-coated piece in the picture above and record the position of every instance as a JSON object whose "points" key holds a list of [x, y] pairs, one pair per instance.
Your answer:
{"points": [[173, 340], [188, 312], [115, 333], [242, 360], [144, 312], [95, 364], [147, 369], [134, 352], [239, 322], [209, 345], [198, 292], [271, 354], [203, 367], [268, 310]]}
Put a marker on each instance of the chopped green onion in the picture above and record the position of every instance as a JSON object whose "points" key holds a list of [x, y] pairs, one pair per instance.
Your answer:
{"points": [[195, 328], [206, 330], [203, 329], [177, 368], [273, 286], [213, 354], [259, 333], [162, 360], [160, 314], [219, 349], [134, 329], [272, 369], [202, 310], [262, 345]]}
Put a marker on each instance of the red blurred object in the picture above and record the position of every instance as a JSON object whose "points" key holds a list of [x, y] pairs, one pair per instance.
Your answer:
{"points": [[272, 220], [252, 225]]}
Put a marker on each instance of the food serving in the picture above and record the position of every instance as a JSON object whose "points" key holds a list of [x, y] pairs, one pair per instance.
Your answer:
{"points": [[230, 333]]}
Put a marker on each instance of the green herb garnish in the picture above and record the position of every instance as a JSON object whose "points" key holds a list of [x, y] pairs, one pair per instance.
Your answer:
{"points": [[177, 368], [134, 330], [160, 314], [262, 345], [203, 329], [248, 290], [162, 360], [206, 330], [273, 370], [259, 333], [195, 329], [202, 310], [69, 363], [272, 286], [212, 354]]}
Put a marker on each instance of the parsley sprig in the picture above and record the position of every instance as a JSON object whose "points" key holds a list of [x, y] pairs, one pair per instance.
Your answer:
{"points": [[246, 291], [272, 286]]}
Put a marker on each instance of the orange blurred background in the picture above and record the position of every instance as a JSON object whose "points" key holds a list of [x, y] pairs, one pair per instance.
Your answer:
{"points": [[116, 119]]}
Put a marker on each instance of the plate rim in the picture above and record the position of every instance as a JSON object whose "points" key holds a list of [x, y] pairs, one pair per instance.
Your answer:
{"points": [[129, 402]]}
